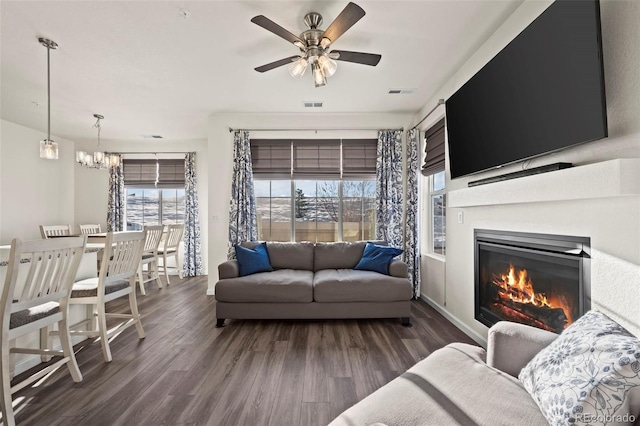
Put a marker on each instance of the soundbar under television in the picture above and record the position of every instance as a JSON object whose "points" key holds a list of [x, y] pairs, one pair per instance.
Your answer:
{"points": [[542, 93]]}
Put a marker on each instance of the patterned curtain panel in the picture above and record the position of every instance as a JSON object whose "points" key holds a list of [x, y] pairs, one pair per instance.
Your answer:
{"points": [[411, 246], [389, 188], [115, 210], [243, 223], [192, 258]]}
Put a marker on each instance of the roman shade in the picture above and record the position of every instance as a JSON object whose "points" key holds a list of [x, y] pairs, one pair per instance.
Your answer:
{"points": [[434, 149], [160, 173], [313, 158], [359, 158], [316, 158], [271, 158]]}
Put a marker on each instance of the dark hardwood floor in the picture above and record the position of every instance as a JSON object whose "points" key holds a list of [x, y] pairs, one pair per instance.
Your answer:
{"points": [[187, 371]]}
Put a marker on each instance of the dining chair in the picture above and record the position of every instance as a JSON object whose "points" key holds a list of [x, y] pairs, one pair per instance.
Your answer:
{"points": [[92, 228], [169, 248], [117, 278], [47, 231], [150, 257], [35, 295]]}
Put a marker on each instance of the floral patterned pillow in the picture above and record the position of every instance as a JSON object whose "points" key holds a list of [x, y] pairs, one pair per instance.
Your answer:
{"points": [[587, 374]]}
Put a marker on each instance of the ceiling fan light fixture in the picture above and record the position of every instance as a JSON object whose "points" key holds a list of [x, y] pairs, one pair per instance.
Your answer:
{"points": [[319, 78], [328, 65], [298, 67], [299, 44], [325, 42]]}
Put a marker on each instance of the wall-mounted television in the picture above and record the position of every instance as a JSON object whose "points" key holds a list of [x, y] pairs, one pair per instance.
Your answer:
{"points": [[542, 93]]}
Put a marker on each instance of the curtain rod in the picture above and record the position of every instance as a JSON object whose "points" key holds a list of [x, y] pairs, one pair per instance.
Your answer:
{"points": [[150, 152], [440, 102], [302, 130]]}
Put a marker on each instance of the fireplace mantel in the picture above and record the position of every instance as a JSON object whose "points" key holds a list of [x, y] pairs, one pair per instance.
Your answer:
{"points": [[613, 178]]}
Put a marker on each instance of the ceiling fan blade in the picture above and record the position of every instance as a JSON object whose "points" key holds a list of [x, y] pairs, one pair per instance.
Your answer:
{"points": [[349, 16], [358, 57], [276, 64], [269, 25]]}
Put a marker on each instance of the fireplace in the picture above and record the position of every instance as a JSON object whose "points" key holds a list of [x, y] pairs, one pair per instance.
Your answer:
{"points": [[535, 279]]}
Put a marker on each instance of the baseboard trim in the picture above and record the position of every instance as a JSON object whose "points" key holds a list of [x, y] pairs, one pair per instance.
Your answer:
{"points": [[455, 321]]}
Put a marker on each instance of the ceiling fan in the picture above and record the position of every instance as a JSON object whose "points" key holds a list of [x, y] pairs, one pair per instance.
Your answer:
{"points": [[315, 45]]}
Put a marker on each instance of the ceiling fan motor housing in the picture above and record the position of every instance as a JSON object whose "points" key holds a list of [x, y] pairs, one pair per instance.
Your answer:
{"points": [[313, 20]]}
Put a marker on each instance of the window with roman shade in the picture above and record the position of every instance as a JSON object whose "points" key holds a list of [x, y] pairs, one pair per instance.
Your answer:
{"points": [[434, 149], [169, 173], [154, 192], [315, 189]]}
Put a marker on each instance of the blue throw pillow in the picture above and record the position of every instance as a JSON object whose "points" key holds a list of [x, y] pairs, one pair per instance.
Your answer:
{"points": [[253, 261], [377, 258]]}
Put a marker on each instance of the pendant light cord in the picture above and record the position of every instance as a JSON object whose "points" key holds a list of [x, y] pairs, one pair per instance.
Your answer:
{"points": [[48, 96]]}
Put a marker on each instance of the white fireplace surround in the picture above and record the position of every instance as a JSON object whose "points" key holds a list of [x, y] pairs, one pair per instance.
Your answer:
{"points": [[613, 178], [597, 200]]}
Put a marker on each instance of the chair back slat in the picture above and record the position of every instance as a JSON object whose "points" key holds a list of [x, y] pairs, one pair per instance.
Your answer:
{"points": [[92, 228], [154, 236], [47, 231], [122, 254], [48, 271], [174, 236]]}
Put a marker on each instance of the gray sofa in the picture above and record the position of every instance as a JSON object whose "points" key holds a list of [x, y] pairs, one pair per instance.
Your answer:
{"points": [[460, 384], [463, 384], [313, 281]]}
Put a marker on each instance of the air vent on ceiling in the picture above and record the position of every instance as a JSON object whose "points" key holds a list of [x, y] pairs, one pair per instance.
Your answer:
{"points": [[401, 91], [152, 136], [312, 104]]}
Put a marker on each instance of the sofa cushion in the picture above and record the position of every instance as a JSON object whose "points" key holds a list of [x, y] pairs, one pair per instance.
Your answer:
{"points": [[349, 285], [291, 255], [591, 371], [377, 258], [284, 285], [452, 386], [338, 255], [251, 261]]}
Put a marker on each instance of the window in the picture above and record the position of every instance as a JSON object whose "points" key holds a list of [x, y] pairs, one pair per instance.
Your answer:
{"points": [[315, 210], [154, 190], [437, 210], [145, 206], [315, 190]]}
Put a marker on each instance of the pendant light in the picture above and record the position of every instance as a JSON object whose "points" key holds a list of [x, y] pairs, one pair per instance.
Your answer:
{"points": [[48, 148], [99, 159]]}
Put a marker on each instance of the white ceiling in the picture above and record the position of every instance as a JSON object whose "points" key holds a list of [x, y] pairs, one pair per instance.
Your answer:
{"points": [[150, 71]]}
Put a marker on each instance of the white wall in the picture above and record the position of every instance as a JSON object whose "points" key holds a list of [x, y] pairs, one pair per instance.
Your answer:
{"points": [[221, 157], [612, 223], [91, 186], [33, 191]]}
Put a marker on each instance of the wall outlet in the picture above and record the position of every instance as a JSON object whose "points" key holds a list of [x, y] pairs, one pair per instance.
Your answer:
{"points": [[460, 217], [215, 218]]}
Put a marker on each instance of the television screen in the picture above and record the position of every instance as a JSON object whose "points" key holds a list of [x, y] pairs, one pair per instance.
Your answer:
{"points": [[543, 92]]}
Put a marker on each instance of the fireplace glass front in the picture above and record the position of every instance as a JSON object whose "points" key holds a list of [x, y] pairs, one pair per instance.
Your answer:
{"points": [[534, 279]]}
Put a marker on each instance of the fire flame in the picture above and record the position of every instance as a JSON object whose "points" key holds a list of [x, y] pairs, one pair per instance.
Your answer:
{"points": [[517, 286]]}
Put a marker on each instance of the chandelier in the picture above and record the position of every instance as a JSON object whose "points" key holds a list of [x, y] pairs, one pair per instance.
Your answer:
{"points": [[48, 148], [99, 159]]}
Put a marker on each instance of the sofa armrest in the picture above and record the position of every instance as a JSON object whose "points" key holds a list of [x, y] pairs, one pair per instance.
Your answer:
{"points": [[228, 269], [510, 346], [397, 268]]}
